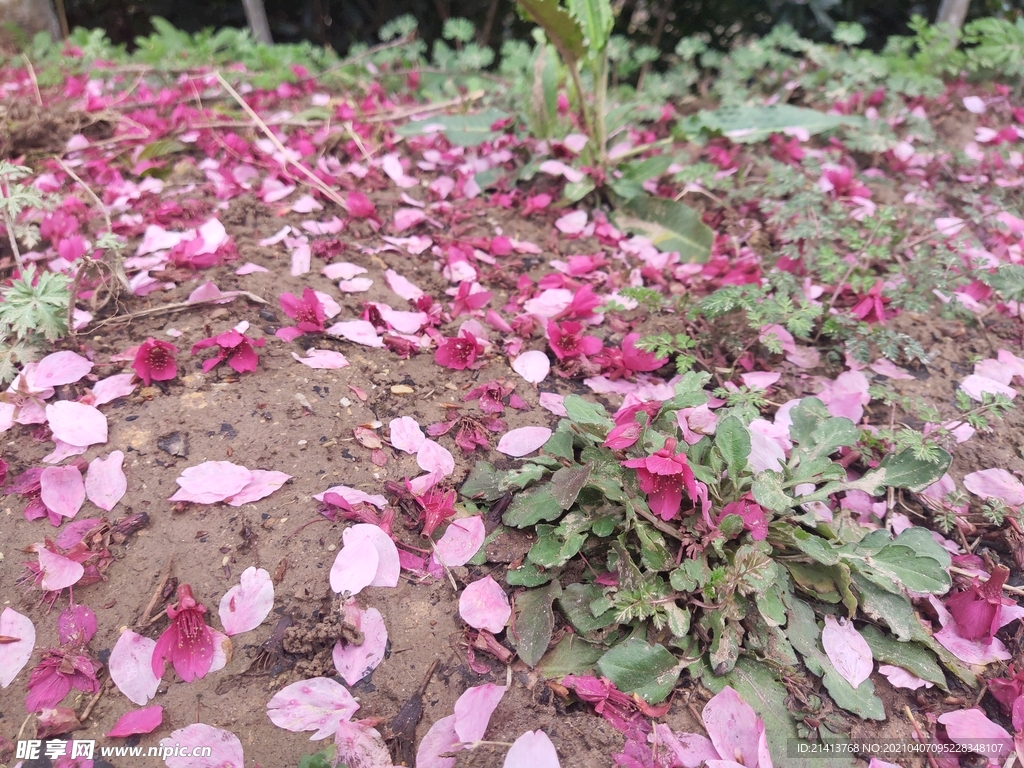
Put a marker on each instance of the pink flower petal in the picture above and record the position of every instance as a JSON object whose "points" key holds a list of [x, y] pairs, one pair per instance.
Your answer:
{"points": [[532, 750], [804, 357], [323, 359], [76, 423], [354, 662], [105, 483], [354, 496], [901, 678], [554, 403], [402, 286], [484, 605], [996, 483], [211, 481], [687, 749], [522, 441], [949, 225], [57, 369], [533, 366], [558, 168], [358, 332], [406, 218], [137, 721], [473, 710], [406, 434], [974, 104], [760, 379], [57, 571], [368, 558], [62, 490], [14, 656], [245, 606], [249, 269], [572, 223], [890, 370], [306, 204], [439, 740], [847, 650], [355, 285], [360, 746], [461, 541], [264, 482], [312, 705], [435, 458], [732, 725], [971, 727], [113, 387], [226, 749], [342, 270], [131, 667], [976, 386]]}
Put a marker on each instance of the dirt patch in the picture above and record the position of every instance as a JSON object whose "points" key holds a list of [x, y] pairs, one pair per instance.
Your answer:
{"points": [[26, 129]]}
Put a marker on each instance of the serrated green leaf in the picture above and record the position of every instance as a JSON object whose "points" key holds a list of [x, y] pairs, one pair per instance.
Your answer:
{"points": [[653, 552], [575, 602], [733, 441], [534, 622], [567, 483], [585, 412], [767, 489], [913, 560], [482, 482], [749, 124], [806, 417], [575, 191], [671, 226], [595, 19], [560, 27], [636, 666], [527, 575], [904, 470], [828, 436], [461, 130], [559, 445]]}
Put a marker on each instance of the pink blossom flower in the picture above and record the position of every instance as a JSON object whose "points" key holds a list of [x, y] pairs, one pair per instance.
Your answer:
{"points": [[459, 353], [56, 674], [492, 397], [627, 429], [977, 609], [536, 203], [752, 514], [359, 206], [187, 642], [437, 506], [234, 347], [466, 301], [663, 476], [155, 361], [307, 311], [566, 341]]}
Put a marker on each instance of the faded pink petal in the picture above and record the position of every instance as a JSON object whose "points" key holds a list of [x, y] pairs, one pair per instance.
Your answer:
{"points": [[360, 746], [522, 441], [976, 386], [974, 104], [847, 650], [462, 539], [354, 496], [847, 395], [406, 218], [995, 483], [971, 727], [440, 739], [76, 423], [890, 370], [14, 656], [435, 458], [554, 403], [358, 332], [137, 721], [484, 605], [355, 285], [57, 571], [760, 379], [473, 710], [312, 705], [572, 223], [901, 678], [323, 359], [248, 603], [368, 558], [533, 366], [113, 387], [131, 667], [532, 750], [406, 434], [558, 168], [226, 749], [354, 662], [690, 750], [62, 490], [733, 727], [804, 357], [57, 369], [402, 286], [76, 625], [264, 482], [211, 481], [105, 482]]}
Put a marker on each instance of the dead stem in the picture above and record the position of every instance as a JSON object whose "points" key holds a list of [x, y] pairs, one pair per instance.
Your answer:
{"points": [[144, 621]]}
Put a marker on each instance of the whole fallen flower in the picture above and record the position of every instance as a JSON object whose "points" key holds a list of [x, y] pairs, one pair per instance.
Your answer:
{"points": [[57, 673], [187, 642], [977, 609], [307, 311], [567, 340], [155, 361], [459, 353], [234, 347]]}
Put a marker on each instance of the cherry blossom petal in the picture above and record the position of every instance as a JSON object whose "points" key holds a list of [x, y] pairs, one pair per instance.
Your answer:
{"points": [[406, 218], [977, 386], [105, 483], [131, 667], [732, 725], [523, 441], [558, 168], [113, 387], [554, 403], [137, 721], [264, 482], [57, 369], [402, 286], [995, 483], [687, 749], [360, 746], [14, 656], [62, 490], [533, 366], [406, 434], [248, 603], [76, 423], [473, 710], [532, 750], [354, 496], [57, 571], [358, 332], [354, 662], [368, 558], [355, 285], [461, 541], [971, 727], [435, 458], [312, 705], [342, 270], [804, 357], [211, 481], [890, 370], [439, 740], [847, 650], [484, 605], [901, 678], [572, 223], [974, 104], [323, 359], [226, 749]]}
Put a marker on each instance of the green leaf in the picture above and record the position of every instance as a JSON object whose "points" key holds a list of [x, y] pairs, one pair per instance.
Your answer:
{"points": [[534, 622], [576, 190], [806, 417], [595, 19], [575, 602], [750, 124], [461, 130], [639, 171], [768, 492], [559, 445], [828, 437], [527, 575], [670, 225], [653, 552], [162, 148], [571, 656], [559, 26], [636, 666], [724, 650], [913, 560], [733, 441], [585, 412], [904, 470], [482, 483], [567, 483], [532, 506], [910, 656], [815, 580]]}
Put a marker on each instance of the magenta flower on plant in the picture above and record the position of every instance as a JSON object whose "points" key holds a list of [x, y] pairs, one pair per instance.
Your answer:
{"points": [[663, 476], [232, 346], [187, 642], [459, 353], [977, 610], [566, 340], [627, 428], [308, 313], [155, 361]]}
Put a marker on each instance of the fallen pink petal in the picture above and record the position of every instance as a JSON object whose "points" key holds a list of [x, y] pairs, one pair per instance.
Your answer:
{"points": [[57, 571], [354, 662], [225, 748], [138, 721], [523, 441], [105, 482], [131, 667], [314, 705], [847, 650], [15, 653], [62, 490], [368, 558], [532, 750], [484, 605], [246, 605]]}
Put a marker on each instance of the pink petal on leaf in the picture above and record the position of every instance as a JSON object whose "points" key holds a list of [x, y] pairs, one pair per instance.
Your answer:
{"points": [[264, 482], [473, 710], [533, 366], [354, 662], [316, 705], [461, 541], [901, 678], [76, 423], [131, 667], [105, 483], [484, 605], [137, 721], [522, 441], [406, 434], [995, 483], [248, 603], [226, 749], [976, 386], [847, 650], [14, 656], [532, 750], [733, 726], [57, 571], [62, 490], [554, 403], [971, 727]]}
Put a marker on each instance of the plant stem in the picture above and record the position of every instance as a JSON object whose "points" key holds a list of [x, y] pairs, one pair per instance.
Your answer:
{"points": [[600, 102], [574, 72]]}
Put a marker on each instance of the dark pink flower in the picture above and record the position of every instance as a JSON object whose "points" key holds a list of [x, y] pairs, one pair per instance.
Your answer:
{"points": [[637, 360], [663, 477], [308, 313], [466, 302], [234, 347], [627, 428], [582, 306], [536, 203], [1009, 691], [870, 307], [359, 206], [840, 181], [752, 514], [187, 642], [155, 361], [56, 674], [977, 610], [459, 353], [437, 506], [491, 397], [566, 341]]}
